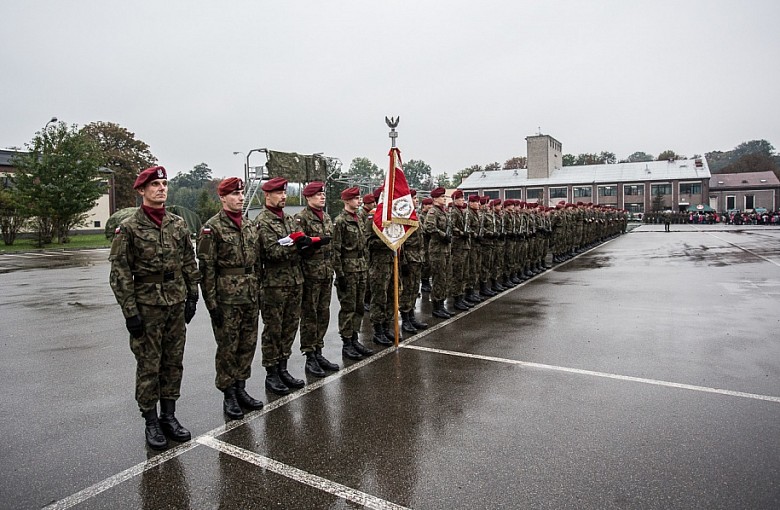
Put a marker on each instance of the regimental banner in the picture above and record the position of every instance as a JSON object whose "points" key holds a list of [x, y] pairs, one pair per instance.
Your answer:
{"points": [[395, 217]]}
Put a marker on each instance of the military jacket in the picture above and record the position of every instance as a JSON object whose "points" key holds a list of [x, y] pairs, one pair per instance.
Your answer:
{"points": [[230, 266], [472, 221], [316, 263], [460, 229], [489, 226], [281, 264], [348, 246], [413, 249], [152, 265], [375, 244], [437, 226]]}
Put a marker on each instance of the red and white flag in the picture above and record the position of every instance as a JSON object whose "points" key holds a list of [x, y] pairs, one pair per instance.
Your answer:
{"points": [[395, 217]]}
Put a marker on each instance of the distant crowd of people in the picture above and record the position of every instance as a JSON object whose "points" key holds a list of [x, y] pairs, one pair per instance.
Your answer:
{"points": [[711, 218]]}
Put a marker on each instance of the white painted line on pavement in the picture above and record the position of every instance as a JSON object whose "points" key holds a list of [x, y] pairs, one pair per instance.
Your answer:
{"points": [[745, 249], [312, 480], [118, 478], [579, 371]]}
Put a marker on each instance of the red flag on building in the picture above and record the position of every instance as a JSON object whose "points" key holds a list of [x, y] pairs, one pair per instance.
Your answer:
{"points": [[395, 217]]}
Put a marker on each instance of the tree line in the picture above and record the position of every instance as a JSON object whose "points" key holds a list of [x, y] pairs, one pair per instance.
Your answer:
{"points": [[64, 170]]}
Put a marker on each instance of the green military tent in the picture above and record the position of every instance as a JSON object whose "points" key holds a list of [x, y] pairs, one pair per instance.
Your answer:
{"points": [[192, 220]]}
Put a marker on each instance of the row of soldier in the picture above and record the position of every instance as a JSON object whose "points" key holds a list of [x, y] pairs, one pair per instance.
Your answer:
{"points": [[285, 267]]}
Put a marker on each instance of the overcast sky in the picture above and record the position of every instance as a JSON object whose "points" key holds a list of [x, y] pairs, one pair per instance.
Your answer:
{"points": [[197, 80]]}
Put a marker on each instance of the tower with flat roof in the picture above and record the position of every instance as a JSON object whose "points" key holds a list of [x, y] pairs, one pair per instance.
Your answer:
{"points": [[545, 154]]}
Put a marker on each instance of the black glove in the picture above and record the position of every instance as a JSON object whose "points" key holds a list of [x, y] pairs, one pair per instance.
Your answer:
{"points": [[189, 308], [304, 243], [135, 325], [217, 317], [448, 239], [341, 283], [324, 240]]}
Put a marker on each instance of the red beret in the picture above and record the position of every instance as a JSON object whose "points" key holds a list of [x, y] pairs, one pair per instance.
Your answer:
{"points": [[509, 202], [427, 201], [350, 193], [438, 192], [378, 192], [275, 184], [484, 199], [148, 175], [413, 192], [229, 185], [473, 198], [313, 188], [580, 203], [457, 194], [369, 199], [521, 204], [495, 201]]}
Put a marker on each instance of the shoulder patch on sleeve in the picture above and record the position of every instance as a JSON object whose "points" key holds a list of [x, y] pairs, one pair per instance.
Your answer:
{"points": [[206, 231]]}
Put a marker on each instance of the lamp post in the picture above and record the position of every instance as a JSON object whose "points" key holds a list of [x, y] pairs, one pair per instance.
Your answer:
{"points": [[53, 119]]}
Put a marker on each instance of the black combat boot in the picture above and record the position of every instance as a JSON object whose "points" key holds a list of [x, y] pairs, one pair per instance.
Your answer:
{"points": [[323, 361], [154, 434], [287, 378], [230, 404], [439, 311], [390, 332], [465, 299], [359, 347], [426, 285], [379, 335], [459, 304], [349, 351], [516, 279], [312, 366], [486, 290], [169, 424], [472, 297], [417, 324], [245, 399], [273, 383], [406, 324], [497, 287]]}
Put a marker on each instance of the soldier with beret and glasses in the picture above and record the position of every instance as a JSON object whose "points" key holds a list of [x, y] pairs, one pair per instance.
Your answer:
{"points": [[155, 278], [231, 270], [317, 280]]}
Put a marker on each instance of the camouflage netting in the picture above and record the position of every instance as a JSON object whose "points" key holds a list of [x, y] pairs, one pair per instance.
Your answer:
{"points": [[296, 167], [192, 220]]}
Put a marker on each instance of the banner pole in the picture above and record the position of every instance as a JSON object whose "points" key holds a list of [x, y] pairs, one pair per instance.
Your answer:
{"points": [[395, 295]]}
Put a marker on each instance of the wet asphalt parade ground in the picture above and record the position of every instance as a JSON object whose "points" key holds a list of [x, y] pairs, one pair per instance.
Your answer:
{"points": [[644, 373]]}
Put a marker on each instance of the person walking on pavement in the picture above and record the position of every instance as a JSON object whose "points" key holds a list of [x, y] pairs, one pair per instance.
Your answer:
{"points": [[348, 249], [231, 270], [155, 278], [280, 247], [317, 280]]}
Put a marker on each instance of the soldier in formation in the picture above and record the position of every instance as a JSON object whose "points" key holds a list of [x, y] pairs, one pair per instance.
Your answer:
{"points": [[155, 279], [231, 270]]}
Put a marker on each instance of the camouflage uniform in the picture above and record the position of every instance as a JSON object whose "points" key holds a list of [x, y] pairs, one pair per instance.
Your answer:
{"points": [[282, 287], [348, 249], [231, 272], [153, 271], [317, 281], [412, 257], [437, 226], [475, 254], [380, 274], [461, 246]]}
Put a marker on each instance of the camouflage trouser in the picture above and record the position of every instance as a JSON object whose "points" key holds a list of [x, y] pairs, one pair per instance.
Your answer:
{"points": [[281, 308], [474, 267], [380, 280], [459, 266], [499, 253], [236, 344], [315, 313], [159, 354], [440, 272], [351, 304], [486, 262], [410, 286]]}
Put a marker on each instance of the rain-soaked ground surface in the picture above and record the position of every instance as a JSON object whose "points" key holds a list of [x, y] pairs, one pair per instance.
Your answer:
{"points": [[644, 373]]}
